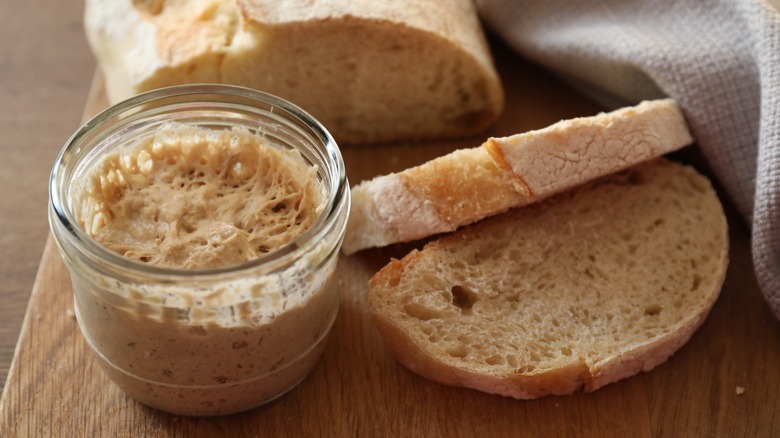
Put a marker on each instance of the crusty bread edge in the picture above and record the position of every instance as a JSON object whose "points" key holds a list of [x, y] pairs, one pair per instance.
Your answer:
{"points": [[364, 215], [550, 160], [381, 212], [648, 356], [537, 169]]}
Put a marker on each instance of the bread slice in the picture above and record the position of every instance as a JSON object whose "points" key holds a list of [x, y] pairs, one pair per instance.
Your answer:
{"points": [[586, 288], [369, 70], [470, 184]]}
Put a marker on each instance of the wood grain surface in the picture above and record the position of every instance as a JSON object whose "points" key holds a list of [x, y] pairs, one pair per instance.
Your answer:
{"points": [[45, 73], [54, 388]]}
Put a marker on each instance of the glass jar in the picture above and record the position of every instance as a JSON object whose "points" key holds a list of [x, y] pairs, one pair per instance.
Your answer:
{"points": [[204, 341]]}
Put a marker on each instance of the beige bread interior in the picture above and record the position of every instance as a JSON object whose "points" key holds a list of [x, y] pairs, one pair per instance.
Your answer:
{"points": [[589, 287], [470, 184], [369, 70]]}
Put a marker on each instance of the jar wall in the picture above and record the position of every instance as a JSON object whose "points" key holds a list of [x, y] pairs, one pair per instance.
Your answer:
{"points": [[217, 341]]}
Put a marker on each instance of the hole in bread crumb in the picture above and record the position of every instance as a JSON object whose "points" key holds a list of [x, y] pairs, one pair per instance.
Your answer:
{"points": [[495, 360], [395, 279], [525, 369], [652, 310], [566, 351], [459, 351], [421, 312], [696, 282], [463, 298]]}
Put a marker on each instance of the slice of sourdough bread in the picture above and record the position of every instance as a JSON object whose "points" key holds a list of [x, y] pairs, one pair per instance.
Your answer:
{"points": [[586, 288], [470, 184]]}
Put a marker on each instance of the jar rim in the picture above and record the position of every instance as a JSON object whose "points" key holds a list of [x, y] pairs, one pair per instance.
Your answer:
{"points": [[337, 195]]}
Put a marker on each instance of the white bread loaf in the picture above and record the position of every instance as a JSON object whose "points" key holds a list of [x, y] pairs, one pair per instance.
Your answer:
{"points": [[470, 184], [589, 287], [369, 70]]}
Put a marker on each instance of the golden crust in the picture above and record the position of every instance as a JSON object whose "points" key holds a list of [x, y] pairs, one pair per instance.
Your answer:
{"points": [[464, 185]]}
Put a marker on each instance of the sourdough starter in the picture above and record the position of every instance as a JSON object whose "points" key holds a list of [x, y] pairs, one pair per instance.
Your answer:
{"points": [[195, 198]]}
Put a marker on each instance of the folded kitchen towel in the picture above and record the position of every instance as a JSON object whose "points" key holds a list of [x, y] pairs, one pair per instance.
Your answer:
{"points": [[720, 59]]}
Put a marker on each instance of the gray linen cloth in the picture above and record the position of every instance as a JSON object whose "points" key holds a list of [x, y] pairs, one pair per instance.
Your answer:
{"points": [[720, 59]]}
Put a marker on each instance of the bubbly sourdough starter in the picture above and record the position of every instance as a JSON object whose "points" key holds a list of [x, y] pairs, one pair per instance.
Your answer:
{"points": [[189, 197]]}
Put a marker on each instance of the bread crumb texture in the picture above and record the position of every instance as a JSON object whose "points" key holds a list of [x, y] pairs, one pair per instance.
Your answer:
{"points": [[588, 287], [191, 197]]}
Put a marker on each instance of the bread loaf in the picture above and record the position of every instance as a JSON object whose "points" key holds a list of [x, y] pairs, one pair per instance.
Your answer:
{"points": [[470, 184], [369, 70], [589, 287]]}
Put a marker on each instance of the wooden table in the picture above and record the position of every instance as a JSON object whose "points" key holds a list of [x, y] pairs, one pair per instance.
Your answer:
{"points": [[45, 74], [55, 389]]}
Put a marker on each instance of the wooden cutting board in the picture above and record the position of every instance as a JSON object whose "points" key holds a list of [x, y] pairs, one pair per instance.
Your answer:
{"points": [[724, 382]]}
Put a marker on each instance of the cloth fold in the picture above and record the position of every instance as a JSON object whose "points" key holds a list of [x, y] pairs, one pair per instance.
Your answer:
{"points": [[720, 59]]}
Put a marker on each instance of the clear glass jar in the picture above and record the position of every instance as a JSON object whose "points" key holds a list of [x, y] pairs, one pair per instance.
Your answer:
{"points": [[204, 341]]}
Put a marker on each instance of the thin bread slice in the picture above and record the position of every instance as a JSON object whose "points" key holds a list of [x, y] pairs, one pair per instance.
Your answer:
{"points": [[586, 288], [471, 184]]}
